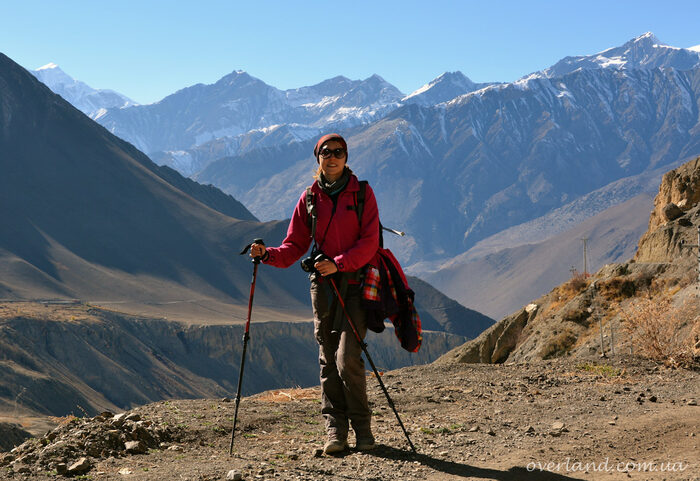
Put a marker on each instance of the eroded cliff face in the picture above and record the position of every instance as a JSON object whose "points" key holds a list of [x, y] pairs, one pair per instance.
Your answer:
{"points": [[567, 320], [674, 216], [64, 359]]}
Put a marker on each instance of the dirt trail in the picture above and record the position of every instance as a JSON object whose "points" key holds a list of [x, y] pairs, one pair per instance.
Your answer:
{"points": [[475, 422]]}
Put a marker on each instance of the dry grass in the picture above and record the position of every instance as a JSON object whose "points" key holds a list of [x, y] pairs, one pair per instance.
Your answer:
{"points": [[617, 288], [288, 395], [603, 370], [63, 420], [562, 294], [663, 331], [576, 284], [579, 316], [44, 311], [559, 344]]}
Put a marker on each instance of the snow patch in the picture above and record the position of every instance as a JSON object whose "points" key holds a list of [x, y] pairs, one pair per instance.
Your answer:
{"points": [[48, 66], [607, 62]]}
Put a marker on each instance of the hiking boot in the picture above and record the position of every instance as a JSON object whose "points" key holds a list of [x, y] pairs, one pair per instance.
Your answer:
{"points": [[364, 440], [335, 444], [365, 443]]}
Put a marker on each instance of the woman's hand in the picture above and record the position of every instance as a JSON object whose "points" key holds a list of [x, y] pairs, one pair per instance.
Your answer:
{"points": [[257, 250], [326, 267]]}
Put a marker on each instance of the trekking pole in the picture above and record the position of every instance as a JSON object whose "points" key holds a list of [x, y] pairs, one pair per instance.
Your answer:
{"points": [[376, 373], [394, 231], [246, 336]]}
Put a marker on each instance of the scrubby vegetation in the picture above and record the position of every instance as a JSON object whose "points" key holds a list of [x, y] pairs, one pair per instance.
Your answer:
{"points": [[665, 331]]}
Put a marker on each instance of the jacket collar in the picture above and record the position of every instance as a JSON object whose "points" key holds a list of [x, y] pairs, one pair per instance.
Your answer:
{"points": [[353, 186]]}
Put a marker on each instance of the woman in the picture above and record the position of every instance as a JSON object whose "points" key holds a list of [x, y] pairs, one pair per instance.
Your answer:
{"points": [[347, 245]]}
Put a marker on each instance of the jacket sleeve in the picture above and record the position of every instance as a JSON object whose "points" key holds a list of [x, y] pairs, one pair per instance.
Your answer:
{"points": [[297, 241], [367, 244]]}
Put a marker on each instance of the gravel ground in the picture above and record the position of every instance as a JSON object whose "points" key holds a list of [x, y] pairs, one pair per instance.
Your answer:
{"points": [[539, 421]]}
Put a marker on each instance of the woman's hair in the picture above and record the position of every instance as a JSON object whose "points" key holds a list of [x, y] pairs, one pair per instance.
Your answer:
{"points": [[317, 175]]}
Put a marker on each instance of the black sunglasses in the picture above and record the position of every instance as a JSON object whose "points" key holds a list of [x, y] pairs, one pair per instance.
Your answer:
{"points": [[338, 153]]}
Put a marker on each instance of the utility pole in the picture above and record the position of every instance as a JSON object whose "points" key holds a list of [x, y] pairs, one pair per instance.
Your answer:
{"points": [[695, 246], [585, 257]]}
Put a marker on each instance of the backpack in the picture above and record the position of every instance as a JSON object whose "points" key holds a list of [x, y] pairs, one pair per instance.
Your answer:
{"points": [[385, 290]]}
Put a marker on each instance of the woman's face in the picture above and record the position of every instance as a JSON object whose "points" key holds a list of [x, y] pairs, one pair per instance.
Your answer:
{"points": [[331, 166]]}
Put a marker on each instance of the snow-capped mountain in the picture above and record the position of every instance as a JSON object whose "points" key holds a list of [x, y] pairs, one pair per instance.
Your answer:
{"points": [[83, 97], [201, 123], [645, 51], [445, 87], [460, 171]]}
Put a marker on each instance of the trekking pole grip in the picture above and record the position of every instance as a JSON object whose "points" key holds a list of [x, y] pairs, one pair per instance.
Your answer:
{"points": [[257, 259]]}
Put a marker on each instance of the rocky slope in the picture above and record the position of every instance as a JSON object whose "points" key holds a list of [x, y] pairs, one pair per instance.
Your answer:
{"points": [[609, 309]]}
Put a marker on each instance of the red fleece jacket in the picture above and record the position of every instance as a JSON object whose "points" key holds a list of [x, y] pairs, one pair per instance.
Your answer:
{"points": [[350, 245]]}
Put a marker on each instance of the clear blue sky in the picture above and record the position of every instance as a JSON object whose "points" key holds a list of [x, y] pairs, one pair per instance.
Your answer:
{"points": [[147, 49]]}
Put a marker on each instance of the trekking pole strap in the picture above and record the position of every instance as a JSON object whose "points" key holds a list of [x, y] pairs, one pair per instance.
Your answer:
{"points": [[311, 210]]}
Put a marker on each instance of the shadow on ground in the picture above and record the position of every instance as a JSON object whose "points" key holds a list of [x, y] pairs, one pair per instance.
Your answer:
{"points": [[516, 473]]}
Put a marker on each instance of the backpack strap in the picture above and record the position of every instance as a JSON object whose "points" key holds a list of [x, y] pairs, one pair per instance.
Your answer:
{"points": [[311, 210], [360, 201], [360, 206]]}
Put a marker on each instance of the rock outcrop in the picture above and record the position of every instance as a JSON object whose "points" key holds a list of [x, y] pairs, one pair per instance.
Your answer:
{"points": [[494, 344], [674, 215]]}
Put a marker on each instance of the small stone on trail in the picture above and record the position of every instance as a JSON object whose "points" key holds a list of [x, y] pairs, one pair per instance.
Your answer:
{"points": [[473, 429], [135, 447], [490, 432], [80, 466], [557, 429], [226, 400], [125, 471], [61, 469], [529, 429], [652, 399], [234, 475], [692, 402], [318, 452]]}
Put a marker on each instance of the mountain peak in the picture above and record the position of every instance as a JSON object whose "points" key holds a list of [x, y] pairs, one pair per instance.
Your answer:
{"points": [[643, 52], [646, 37], [446, 86], [374, 78]]}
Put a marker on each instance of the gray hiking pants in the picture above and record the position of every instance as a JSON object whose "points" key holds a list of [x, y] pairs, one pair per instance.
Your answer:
{"points": [[343, 380]]}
